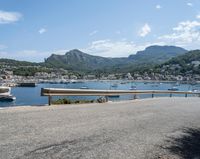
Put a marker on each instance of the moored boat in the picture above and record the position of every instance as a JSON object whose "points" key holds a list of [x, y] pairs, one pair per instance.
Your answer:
{"points": [[5, 94], [173, 89], [132, 88], [84, 87], [113, 96], [114, 85]]}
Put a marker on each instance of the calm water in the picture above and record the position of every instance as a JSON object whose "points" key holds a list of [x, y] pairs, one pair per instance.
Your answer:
{"points": [[31, 95]]}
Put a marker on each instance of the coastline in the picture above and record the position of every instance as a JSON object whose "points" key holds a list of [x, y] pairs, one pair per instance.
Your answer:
{"points": [[37, 81]]}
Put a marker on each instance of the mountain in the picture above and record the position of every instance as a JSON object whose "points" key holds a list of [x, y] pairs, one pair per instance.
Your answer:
{"points": [[76, 60], [79, 61], [16, 63], [157, 54], [188, 63], [185, 59]]}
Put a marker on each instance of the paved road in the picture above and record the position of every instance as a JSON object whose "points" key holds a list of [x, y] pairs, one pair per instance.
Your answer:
{"points": [[131, 129]]}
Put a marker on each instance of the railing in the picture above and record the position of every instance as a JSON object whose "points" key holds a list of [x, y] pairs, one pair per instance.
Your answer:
{"points": [[90, 92]]}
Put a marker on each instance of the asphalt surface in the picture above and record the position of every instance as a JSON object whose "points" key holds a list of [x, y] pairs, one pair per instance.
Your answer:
{"points": [[140, 129]]}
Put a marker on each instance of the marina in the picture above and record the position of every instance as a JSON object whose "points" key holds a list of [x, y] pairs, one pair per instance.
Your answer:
{"points": [[32, 95]]}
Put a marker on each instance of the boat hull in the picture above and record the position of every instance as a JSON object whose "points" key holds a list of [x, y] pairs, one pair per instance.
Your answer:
{"points": [[7, 98]]}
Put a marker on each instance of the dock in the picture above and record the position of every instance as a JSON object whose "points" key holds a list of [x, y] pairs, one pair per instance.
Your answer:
{"points": [[27, 84]]}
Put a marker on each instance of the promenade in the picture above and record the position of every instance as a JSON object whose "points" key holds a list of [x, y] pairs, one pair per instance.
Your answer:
{"points": [[146, 128]]}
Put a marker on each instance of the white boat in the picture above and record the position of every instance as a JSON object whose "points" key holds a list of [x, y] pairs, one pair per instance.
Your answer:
{"points": [[84, 87], [132, 88], [173, 89], [195, 91], [5, 94]]}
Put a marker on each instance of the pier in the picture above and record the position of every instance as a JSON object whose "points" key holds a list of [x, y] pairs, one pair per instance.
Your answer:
{"points": [[27, 84]]}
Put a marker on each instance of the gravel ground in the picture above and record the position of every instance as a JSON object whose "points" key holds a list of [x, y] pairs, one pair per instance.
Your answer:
{"points": [[162, 128]]}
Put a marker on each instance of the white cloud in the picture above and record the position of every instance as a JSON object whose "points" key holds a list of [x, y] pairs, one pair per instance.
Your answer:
{"points": [[158, 6], [145, 30], [93, 32], [198, 16], [9, 17], [42, 30], [189, 4], [105, 48], [109, 48], [187, 33]]}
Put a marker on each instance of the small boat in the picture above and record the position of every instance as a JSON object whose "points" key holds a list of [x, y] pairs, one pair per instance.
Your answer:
{"points": [[73, 81], [114, 96], [84, 87], [132, 88], [114, 85], [195, 91], [173, 89], [9, 98], [5, 94]]}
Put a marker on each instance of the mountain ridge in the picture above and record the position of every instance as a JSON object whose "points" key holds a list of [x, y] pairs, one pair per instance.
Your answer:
{"points": [[78, 60]]}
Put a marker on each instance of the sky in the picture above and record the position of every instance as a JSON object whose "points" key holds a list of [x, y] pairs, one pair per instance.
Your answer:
{"points": [[34, 29]]}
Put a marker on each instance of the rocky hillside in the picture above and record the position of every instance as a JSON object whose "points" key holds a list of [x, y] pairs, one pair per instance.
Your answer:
{"points": [[188, 63], [77, 60]]}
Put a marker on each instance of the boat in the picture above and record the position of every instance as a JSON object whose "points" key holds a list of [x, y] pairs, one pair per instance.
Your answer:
{"points": [[114, 85], [84, 87], [5, 94], [195, 91], [132, 88], [113, 96], [27, 84], [173, 89]]}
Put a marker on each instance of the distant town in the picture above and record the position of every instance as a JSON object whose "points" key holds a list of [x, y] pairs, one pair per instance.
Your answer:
{"points": [[152, 64], [62, 76]]}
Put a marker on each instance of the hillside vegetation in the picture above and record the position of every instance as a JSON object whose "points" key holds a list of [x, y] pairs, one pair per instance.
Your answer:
{"points": [[79, 61], [188, 63]]}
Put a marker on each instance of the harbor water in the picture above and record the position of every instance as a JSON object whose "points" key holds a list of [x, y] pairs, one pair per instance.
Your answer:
{"points": [[26, 96]]}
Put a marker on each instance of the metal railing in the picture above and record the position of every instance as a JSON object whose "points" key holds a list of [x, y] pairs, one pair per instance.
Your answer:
{"points": [[92, 92]]}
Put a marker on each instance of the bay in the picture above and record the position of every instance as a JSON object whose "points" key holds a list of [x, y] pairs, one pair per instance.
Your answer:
{"points": [[26, 96]]}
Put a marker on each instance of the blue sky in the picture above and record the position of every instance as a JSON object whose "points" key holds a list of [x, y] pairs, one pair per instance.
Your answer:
{"points": [[34, 29]]}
